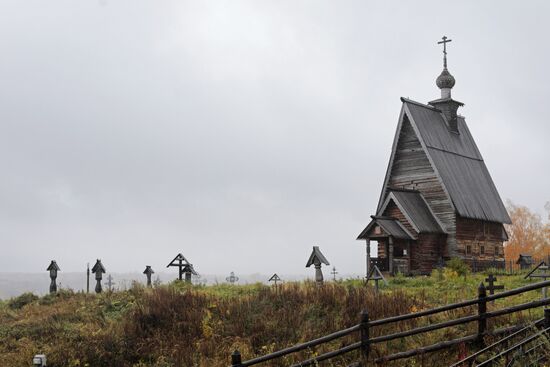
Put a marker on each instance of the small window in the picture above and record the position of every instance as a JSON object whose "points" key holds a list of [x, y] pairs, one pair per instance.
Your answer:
{"points": [[404, 252], [482, 250], [468, 249]]}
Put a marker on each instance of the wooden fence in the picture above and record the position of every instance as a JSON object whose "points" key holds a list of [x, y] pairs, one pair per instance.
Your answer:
{"points": [[507, 266], [363, 328], [512, 268]]}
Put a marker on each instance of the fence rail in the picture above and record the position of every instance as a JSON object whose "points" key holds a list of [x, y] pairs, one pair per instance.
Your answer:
{"points": [[365, 341]]}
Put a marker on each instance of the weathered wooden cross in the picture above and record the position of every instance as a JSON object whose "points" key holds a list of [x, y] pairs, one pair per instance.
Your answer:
{"points": [[98, 270], [376, 275], [148, 272], [110, 283], [317, 258], [274, 278], [184, 267], [492, 287], [232, 278], [334, 272], [53, 269]]}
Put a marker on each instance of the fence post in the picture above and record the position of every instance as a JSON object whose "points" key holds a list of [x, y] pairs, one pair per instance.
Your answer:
{"points": [[481, 310], [546, 318], [365, 345], [236, 359]]}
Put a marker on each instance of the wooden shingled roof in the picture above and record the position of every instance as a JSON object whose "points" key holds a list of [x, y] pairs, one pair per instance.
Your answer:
{"points": [[457, 162], [391, 227], [415, 208], [316, 255]]}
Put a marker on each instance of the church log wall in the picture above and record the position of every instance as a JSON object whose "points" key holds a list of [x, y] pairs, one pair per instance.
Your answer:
{"points": [[479, 240], [425, 252]]}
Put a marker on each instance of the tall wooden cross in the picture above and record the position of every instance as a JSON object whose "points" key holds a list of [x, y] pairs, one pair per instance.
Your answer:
{"points": [[444, 42], [98, 270], [180, 262], [53, 268], [376, 275], [148, 272], [275, 278], [110, 283], [232, 278], [492, 286], [334, 272]]}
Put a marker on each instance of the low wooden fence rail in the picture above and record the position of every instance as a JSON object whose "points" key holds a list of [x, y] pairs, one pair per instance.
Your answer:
{"points": [[365, 341]]}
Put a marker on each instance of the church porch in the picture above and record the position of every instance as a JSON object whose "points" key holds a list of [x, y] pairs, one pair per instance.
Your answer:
{"points": [[394, 245]]}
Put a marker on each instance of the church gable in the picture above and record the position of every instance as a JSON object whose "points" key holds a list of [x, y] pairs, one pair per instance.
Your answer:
{"points": [[393, 211], [410, 207], [411, 169]]}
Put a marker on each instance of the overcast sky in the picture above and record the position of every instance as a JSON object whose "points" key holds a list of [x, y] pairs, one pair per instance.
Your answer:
{"points": [[242, 133]]}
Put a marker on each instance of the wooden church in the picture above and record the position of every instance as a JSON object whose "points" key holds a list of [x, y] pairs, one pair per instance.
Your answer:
{"points": [[438, 200]]}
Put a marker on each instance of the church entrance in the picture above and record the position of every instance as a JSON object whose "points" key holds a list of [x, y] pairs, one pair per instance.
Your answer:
{"points": [[394, 255]]}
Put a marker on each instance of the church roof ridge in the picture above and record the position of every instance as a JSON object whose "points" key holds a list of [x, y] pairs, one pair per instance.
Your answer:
{"points": [[408, 100], [382, 217], [403, 189]]}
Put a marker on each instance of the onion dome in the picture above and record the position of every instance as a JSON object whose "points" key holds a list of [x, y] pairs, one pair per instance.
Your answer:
{"points": [[445, 80]]}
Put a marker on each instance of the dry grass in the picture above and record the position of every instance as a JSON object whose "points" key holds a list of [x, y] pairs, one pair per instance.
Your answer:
{"points": [[180, 325]]}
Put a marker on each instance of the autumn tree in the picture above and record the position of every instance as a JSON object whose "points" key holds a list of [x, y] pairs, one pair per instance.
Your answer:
{"points": [[528, 233]]}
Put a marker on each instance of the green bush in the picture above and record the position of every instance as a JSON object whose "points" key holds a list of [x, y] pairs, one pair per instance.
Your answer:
{"points": [[459, 266]]}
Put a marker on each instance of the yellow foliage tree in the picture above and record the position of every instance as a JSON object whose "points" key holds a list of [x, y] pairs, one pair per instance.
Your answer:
{"points": [[528, 233]]}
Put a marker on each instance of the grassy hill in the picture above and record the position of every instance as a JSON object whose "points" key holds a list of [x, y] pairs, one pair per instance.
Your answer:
{"points": [[183, 325]]}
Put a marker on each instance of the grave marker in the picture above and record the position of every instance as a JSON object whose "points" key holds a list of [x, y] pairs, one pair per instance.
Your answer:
{"points": [[148, 272], [274, 278], [492, 287], [110, 283], [317, 259], [232, 278], [98, 270], [334, 272], [376, 275], [53, 268], [184, 267]]}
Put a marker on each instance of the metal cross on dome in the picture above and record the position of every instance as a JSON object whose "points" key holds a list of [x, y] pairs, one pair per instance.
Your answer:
{"points": [[444, 42]]}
